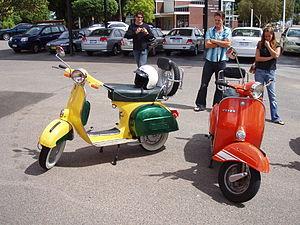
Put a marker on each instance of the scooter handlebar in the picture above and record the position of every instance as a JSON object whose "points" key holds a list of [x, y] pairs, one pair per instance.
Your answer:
{"points": [[222, 83]]}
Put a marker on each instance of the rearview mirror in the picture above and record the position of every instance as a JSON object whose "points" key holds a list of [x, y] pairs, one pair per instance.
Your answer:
{"points": [[60, 51], [231, 53]]}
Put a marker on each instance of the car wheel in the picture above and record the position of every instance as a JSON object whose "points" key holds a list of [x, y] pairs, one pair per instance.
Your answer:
{"points": [[125, 53], [196, 50], [35, 48], [168, 52], [115, 50], [6, 37]]}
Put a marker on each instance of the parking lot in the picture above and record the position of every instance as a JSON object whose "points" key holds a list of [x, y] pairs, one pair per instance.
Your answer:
{"points": [[172, 186]]}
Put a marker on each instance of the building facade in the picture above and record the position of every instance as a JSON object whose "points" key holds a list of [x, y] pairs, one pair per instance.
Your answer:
{"points": [[190, 13]]}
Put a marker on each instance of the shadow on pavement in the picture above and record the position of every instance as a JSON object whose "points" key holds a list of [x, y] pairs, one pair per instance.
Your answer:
{"points": [[197, 150]]}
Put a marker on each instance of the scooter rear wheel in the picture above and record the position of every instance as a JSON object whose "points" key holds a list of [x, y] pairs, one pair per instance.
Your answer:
{"points": [[50, 156], [241, 190], [153, 142]]}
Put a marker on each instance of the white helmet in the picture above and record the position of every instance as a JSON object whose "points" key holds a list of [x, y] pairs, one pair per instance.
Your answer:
{"points": [[146, 77]]}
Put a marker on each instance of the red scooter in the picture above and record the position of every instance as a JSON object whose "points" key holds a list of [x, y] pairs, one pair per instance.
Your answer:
{"points": [[236, 130]]}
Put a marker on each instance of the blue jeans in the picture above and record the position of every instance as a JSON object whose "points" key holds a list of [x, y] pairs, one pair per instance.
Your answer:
{"points": [[263, 76], [140, 57]]}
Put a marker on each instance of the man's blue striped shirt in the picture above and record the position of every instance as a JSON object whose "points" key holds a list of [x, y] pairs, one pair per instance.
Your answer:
{"points": [[217, 54]]}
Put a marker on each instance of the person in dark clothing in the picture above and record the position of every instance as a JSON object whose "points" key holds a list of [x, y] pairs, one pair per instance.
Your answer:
{"points": [[267, 53], [141, 34]]}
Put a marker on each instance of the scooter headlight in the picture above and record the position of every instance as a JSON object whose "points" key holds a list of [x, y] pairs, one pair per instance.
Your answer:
{"points": [[240, 135], [257, 90], [79, 75]]}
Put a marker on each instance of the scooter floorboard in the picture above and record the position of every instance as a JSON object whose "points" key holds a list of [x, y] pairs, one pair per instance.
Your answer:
{"points": [[115, 142]]}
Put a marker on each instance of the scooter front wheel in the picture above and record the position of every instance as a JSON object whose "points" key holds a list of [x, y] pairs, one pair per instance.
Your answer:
{"points": [[243, 188], [50, 156], [153, 142]]}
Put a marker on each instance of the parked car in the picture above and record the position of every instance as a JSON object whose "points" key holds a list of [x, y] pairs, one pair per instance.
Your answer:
{"points": [[36, 37], [20, 28], [154, 47], [245, 39], [290, 40], [184, 39], [103, 40], [63, 41]]}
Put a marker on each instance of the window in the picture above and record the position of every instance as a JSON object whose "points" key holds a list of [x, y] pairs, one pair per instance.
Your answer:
{"points": [[46, 31], [61, 28], [100, 32], [55, 30], [246, 33], [181, 32]]}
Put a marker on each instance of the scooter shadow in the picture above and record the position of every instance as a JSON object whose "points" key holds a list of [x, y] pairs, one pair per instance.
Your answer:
{"points": [[89, 156], [205, 179]]}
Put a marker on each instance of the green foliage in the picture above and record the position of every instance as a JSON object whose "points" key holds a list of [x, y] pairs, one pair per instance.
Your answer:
{"points": [[11, 21], [5, 8], [265, 10], [145, 6], [86, 9]]}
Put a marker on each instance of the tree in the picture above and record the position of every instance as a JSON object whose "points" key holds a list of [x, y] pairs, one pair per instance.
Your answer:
{"points": [[265, 11], [86, 9], [31, 10], [145, 6], [5, 8]]}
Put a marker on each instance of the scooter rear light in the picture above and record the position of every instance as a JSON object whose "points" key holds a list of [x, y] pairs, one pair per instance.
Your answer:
{"points": [[175, 113]]}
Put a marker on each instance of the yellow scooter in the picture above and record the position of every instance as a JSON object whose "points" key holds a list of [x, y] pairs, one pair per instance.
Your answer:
{"points": [[143, 118]]}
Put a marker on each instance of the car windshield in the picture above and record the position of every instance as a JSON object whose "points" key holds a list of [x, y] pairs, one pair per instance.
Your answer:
{"points": [[65, 34], [34, 30], [246, 33], [181, 32], [100, 32], [294, 33]]}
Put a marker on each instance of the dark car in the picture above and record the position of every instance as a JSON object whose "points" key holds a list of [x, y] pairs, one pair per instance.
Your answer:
{"points": [[36, 37], [63, 41], [155, 46], [18, 29]]}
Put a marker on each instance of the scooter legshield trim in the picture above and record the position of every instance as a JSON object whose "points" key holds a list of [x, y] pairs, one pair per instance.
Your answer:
{"points": [[246, 153], [55, 131]]}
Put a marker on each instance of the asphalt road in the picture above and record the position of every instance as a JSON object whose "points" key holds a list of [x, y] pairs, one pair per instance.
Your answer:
{"points": [[173, 186]]}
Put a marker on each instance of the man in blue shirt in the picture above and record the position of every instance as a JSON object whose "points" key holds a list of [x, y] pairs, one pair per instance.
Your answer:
{"points": [[217, 40]]}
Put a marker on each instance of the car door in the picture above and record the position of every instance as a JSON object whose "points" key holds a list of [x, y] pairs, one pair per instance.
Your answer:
{"points": [[159, 39], [46, 36], [55, 32], [117, 37]]}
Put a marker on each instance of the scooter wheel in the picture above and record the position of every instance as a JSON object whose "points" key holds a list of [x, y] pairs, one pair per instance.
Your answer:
{"points": [[153, 142], [241, 190], [50, 156]]}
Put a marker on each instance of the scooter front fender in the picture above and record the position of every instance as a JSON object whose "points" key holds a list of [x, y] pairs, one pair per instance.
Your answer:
{"points": [[246, 153], [55, 131]]}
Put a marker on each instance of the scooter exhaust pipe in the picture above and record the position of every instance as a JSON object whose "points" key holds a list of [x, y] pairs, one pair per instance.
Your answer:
{"points": [[238, 176]]}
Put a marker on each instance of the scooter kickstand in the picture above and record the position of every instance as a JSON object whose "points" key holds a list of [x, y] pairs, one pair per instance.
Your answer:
{"points": [[116, 156]]}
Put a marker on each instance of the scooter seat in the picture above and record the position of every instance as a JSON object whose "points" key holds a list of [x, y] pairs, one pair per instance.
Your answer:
{"points": [[130, 93]]}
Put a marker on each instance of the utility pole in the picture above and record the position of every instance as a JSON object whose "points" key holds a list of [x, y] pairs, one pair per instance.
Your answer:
{"points": [[283, 16], [120, 10], [105, 13], [70, 23], [251, 23]]}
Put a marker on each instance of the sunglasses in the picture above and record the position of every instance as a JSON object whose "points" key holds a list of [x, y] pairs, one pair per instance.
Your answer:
{"points": [[140, 17]]}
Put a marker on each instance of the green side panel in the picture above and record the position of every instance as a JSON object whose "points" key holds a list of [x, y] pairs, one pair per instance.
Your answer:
{"points": [[85, 112], [152, 119]]}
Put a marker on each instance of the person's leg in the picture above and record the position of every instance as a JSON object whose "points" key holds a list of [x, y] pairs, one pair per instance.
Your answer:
{"points": [[136, 55], [272, 97], [260, 76], [206, 76], [143, 57], [218, 94]]}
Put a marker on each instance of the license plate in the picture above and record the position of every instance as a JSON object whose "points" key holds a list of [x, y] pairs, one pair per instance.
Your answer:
{"points": [[176, 41], [14, 46], [93, 41], [244, 44]]}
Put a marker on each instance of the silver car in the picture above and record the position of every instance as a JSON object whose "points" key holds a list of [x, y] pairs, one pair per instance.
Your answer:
{"points": [[290, 40], [188, 39], [103, 40]]}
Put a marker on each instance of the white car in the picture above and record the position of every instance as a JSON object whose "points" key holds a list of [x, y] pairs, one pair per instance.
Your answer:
{"points": [[188, 39], [245, 39], [290, 40]]}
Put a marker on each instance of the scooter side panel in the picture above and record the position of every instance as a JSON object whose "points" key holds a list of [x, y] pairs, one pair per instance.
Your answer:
{"points": [[56, 130], [244, 152], [236, 113]]}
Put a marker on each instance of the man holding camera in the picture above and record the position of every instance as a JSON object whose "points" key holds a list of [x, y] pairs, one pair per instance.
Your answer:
{"points": [[141, 34]]}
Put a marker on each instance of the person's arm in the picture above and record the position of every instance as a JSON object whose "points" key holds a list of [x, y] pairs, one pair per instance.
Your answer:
{"points": [[274, 53], [208, 43], [221, 43], [129, 33], [259, 58], [148, 33]]}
